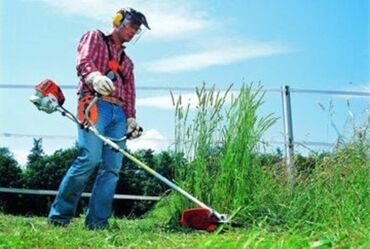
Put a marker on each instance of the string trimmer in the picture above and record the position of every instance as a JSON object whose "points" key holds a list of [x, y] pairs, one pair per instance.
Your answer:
{"points": [[49, 98]]}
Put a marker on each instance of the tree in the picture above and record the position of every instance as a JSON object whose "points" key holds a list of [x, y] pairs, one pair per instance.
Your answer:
{"points": [[34, 164], [37, 151], [10, 172], [47, 172], [10, 175], [44, 172]]}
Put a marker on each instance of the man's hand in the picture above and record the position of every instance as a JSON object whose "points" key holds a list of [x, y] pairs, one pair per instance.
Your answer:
{"points": [[101, 83], [133, 129]]}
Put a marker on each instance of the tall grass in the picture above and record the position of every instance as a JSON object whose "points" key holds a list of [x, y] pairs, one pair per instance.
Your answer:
{"points": [[220, 140], [337, 192], [199, 139]]}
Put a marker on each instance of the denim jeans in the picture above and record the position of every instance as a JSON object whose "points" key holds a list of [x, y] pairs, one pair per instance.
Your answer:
{"points": [[93, 153]]}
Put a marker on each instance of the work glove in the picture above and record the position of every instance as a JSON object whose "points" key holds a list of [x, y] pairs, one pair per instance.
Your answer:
{"points": [[133, 129], [101, 83]]}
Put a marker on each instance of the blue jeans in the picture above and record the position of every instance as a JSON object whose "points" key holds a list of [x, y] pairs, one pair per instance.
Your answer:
{"points": [[93, 153]]}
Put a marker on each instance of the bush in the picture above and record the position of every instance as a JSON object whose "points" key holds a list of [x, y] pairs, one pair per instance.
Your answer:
{"points": [[10, 172], [47, 171], [10, 175]]}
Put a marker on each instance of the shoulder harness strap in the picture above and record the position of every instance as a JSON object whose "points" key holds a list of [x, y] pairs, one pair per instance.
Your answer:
{"points": [[123, 54]]}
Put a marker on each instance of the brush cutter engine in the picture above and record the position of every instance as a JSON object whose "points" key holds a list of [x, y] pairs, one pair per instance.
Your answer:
{"points": [[48, 96]]}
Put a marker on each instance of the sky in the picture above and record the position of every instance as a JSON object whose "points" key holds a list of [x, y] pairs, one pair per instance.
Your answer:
{"points": [[304, 44]]}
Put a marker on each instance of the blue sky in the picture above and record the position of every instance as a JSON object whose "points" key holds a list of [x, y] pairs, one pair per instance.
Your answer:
{"points": [[305, 44]]}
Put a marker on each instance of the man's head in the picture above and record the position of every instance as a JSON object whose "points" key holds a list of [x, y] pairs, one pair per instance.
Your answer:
{"points": [[127, 23]]}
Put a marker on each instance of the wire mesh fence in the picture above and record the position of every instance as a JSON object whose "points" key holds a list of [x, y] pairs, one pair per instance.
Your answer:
{"points": [[317, 117]]}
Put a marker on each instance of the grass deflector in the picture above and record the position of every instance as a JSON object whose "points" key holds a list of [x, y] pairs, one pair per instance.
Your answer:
{"points": [[49, 98]]}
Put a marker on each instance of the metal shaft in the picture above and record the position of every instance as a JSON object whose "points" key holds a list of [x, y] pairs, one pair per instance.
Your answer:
{"points": [[116, 147]]}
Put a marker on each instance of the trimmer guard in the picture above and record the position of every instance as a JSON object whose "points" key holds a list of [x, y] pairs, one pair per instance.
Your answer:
{"points": [[199, 218]]}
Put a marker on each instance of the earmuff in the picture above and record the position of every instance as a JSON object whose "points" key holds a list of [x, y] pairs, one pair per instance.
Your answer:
{"points": [[118, 18]]}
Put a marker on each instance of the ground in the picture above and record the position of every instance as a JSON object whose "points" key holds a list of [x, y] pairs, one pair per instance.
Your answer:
{"points": [[34, 232]]}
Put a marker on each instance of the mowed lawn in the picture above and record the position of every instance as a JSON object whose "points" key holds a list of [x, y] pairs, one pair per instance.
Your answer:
{"points": [[34, 232]]}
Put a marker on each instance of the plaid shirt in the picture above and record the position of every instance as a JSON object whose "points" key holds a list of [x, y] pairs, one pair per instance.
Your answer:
{"points": [[92, 55]]}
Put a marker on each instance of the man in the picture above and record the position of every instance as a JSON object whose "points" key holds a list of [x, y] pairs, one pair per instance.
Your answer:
{"points": [[104, 69]]}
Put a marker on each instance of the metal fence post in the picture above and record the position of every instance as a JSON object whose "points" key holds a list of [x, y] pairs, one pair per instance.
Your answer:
{"points": [[288, 132]]}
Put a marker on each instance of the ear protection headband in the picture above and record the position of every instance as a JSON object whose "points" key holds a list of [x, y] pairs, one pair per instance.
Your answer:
{"points": [[119, 17], [131, 14]]}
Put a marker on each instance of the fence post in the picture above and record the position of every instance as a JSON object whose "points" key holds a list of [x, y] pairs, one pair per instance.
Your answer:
{"points": [[288, 133]]}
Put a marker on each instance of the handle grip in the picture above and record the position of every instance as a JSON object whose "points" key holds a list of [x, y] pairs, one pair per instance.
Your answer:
{"points": [[129, 135]]}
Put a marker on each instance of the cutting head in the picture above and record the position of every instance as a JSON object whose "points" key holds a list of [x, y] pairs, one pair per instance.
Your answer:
{"points": [[201, 219]]}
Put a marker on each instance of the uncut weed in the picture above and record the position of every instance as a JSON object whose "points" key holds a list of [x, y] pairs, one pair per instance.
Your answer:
{"points": [[223, 168], [220, 142]]}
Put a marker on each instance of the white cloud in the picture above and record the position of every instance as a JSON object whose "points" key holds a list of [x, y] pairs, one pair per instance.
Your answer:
{"points": [[227, 54], [176, 20], [151, 139], [168, 19], [20, 156], [362, 88], [165, 101], [174, 25], [358, 90], [96, 9]]}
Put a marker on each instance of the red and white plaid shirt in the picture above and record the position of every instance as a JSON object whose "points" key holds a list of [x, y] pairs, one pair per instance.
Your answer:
{"points": [[92, 55]]}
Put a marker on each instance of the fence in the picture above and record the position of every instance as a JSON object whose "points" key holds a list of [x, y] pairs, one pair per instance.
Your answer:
{"points": [[53, 192], [288, 124], [288, 129]]}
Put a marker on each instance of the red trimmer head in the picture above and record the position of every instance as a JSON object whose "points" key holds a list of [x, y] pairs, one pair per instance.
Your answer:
{"points": [[200, 218]]}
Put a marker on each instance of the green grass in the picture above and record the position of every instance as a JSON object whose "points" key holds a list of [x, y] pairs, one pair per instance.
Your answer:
{"points": [[328, 206], [21, 232], [221, 141]]}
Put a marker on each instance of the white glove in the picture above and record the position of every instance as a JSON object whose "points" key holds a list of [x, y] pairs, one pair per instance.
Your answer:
{"points": [[133, 129], [101, 83]]}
